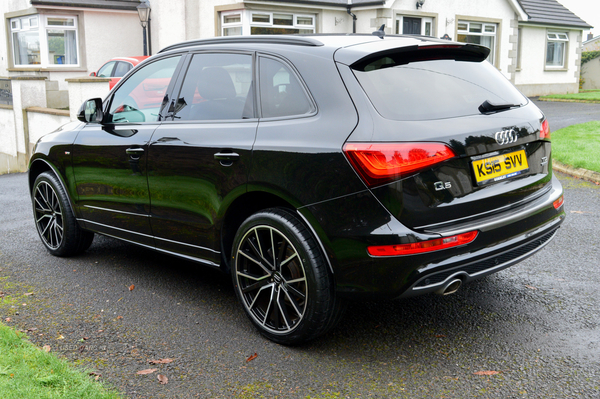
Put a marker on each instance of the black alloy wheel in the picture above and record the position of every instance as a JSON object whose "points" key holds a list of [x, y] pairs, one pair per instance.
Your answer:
{"points": [[55, 222], [281, 278]]}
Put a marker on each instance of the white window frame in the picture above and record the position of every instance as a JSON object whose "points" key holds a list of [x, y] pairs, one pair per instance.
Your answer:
{"points": [[557, 38], [488, 29], [424, 21], [16, 25], [232, 25], [246, 23]]}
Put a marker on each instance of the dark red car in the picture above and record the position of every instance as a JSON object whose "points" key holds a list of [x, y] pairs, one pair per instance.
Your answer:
{"points": [[117, 67]]}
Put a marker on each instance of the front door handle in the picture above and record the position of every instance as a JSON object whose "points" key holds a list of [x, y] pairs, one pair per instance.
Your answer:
{"points": [[226, 158]]}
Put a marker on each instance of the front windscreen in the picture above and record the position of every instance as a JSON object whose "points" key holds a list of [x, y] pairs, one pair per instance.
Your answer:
{"points": [[434, 89]]}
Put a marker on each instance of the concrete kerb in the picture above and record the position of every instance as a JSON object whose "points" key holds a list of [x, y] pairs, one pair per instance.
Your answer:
{"points": [[580, 173]]}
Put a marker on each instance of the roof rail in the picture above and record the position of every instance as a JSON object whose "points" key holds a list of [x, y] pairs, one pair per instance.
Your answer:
{"points": [[268, 39]]}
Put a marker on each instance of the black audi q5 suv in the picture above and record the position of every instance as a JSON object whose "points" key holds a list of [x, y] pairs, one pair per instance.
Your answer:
{"points": [[313, 169]]}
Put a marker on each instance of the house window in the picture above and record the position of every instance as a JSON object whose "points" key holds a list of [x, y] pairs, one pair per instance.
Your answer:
{"points": [[406, 25], [45, 40], [247, 22], [556, 47], [480, 33], [232, 24]]}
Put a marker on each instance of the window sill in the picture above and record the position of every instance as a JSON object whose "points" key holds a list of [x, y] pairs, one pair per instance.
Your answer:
{"points": [[40, 69], [559, 69]]}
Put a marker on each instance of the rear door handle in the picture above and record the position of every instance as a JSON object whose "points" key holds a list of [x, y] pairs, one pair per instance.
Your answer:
{"points": [[226, 158], [135, 153]]}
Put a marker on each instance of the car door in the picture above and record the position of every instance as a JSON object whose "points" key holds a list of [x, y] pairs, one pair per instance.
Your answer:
{"points": [[109, 158], [199, 159]]}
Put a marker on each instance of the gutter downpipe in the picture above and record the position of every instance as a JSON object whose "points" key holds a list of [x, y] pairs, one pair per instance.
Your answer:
{"points": [[349, 11]]}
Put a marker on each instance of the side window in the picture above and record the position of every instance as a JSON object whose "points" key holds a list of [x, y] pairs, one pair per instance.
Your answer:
{"points": [[106, 70], [121, 69], [281, 93], [216, 87], [140, 98]]}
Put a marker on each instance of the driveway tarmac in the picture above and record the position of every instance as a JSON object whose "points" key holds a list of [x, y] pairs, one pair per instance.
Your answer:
{"points": [[563, 114], [530, 331]]}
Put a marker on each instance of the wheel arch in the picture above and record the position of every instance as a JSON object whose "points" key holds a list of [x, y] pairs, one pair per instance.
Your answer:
{"points": [[239, 210], [251, 202], [39, 166]]}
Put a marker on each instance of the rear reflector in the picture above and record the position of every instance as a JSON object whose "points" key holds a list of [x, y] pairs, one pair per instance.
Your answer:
{"points": [[380, 163], [423, 246], [545, 130], [559, 202]]}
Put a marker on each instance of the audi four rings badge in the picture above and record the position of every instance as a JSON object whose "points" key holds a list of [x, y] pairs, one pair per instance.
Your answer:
{"points": [[506, 137]]}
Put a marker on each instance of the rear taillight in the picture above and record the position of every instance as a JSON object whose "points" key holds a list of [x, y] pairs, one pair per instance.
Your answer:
{"points": [[380, 163], [545, 130], [423, 246]]}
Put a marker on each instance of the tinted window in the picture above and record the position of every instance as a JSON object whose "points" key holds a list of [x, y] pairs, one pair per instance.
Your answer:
{"points": [[281, 93], [121, 69], [140, 98], [434, 89], [216, 87]]}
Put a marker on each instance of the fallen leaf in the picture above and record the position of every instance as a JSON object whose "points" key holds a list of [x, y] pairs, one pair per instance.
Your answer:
{"points": [[119, 317], [7, 319], [530, 287], [28, 294], [95, 375], [162, 379], [147, 371], [440, 336], [46, 348], [251, 358], [131, 287], [489, 372], [579, 212], [160, 361], [60, 337]]}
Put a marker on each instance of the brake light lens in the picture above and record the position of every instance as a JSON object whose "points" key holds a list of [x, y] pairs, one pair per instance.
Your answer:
{"points": [[424, 246], [380, 163], [559, 202], [545, 130]]}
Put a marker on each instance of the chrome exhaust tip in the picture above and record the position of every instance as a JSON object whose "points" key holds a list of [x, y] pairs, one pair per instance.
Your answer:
{"points": [[450, 288]]}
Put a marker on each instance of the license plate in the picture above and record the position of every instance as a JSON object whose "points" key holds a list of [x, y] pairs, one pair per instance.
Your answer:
{"points": [[500, 167]]}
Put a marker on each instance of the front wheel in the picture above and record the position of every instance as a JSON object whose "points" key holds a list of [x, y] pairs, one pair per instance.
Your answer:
{"points": [[281, 278], [55, 222]]}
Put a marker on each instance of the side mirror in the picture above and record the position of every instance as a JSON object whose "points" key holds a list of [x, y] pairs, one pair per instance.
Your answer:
{"points": [[91, 111], [93, 74]]}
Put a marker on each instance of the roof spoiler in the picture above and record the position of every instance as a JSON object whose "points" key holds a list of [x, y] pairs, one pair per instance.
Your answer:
{"points": [[426, 52]]}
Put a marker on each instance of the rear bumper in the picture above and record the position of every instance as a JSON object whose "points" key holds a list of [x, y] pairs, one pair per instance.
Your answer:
{"points": [[347, 226]]}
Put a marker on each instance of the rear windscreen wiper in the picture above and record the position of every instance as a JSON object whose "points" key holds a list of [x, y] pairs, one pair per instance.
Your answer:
{"points": [[488, 107]]}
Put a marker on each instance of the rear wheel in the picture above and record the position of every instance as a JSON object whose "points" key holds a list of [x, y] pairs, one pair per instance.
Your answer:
{"points": [[281, 278], [55, 222]]}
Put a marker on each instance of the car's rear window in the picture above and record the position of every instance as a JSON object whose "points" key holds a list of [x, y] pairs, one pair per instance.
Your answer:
{"points": [[435, 89]]}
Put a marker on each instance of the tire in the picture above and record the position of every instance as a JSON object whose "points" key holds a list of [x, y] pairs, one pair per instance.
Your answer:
{"points": [[54, 219], [289, 297]]}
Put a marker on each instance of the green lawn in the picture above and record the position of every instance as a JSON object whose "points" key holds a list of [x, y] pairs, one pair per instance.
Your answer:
{"points": [[578, 146], [587, 96], [29, 372]]}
